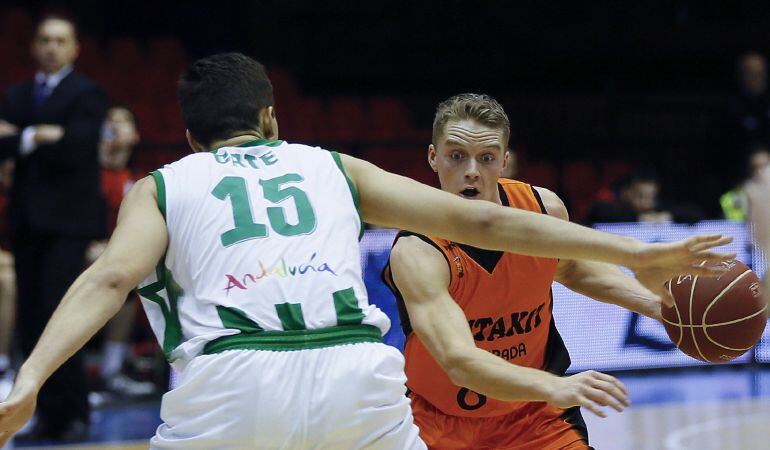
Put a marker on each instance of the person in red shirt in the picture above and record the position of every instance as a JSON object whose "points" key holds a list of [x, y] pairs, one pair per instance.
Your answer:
{"points": [[119, 137]]}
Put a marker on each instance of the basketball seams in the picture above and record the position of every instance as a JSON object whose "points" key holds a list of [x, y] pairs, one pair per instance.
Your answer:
{"points": [[692, 329], [718, 324], [764, 308], [722, 293], [678, 318]]}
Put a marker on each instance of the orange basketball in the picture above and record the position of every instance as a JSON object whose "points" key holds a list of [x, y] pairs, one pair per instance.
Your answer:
{"points": [[716, 319]]}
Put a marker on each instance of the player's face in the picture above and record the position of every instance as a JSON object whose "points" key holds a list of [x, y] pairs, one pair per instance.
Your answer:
{"points": [[469, 158], [55, 45]]}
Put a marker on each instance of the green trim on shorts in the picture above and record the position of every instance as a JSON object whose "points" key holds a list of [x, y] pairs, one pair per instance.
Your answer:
{"points": [[353, 191], [295, 339]]}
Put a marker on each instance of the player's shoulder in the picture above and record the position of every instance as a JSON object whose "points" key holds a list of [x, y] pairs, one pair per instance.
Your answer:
{"points": [[550, 201], [410, 246]]}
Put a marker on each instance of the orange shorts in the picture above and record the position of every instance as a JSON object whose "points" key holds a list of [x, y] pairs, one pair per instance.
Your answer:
{"points": [[536, 426]]}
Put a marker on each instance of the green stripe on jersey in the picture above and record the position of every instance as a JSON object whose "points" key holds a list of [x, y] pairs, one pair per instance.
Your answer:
{"points": [[236, 319], [172, 335], [161, 188], [296, 339], [346, 305], [291, 316], [353, 191]]}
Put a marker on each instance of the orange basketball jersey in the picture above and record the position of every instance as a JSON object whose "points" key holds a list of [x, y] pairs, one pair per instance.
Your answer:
{"points": [[507, 300]]}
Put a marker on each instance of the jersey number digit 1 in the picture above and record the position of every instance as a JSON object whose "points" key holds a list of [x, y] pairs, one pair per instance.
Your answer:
{"points": [[243, 218]]}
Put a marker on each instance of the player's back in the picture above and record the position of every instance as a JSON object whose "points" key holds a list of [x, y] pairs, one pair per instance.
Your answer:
{"points": [[260, 301], [263, 241]]}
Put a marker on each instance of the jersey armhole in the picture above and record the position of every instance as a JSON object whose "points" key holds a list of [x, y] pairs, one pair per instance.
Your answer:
{"points": [[426, 239], [353, 190], [160, 184], [539, 199]]}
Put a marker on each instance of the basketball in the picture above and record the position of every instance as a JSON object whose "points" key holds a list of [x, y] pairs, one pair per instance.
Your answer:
{"points": [[716, 319]]}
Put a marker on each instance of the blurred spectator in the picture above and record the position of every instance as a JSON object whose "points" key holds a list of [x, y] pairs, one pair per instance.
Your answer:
{"points": [[51, 127], [734, 203], [119, 136], [749, 114], [636, 200]]}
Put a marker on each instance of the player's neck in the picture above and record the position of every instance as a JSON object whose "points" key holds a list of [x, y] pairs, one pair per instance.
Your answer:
{"points": [[238, 140]]}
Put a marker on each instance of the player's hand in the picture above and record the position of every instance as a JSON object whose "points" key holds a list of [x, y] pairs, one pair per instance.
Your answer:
{"points": [[592, 390], [8, 129], [48, 134], [657, 263], [17, 409]]}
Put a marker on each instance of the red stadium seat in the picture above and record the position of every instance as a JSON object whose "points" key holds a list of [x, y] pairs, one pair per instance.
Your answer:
{"points": [[580, 181], [125, 54], [167, 54], [388, 119], [539, 174], [614, 171], [346, 120]]}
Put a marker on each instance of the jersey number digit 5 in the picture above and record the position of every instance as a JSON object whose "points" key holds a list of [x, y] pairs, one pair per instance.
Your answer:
{"points": [[243, 218]]}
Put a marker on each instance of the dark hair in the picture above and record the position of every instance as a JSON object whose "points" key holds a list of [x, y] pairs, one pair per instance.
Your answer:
{"points": [[223, 94], [638, 175], [479, 107]]}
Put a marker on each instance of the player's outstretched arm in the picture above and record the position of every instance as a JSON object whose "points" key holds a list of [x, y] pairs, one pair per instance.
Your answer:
{"points": [[598, 280], [399, 202], [420, 272], [136, 246]]}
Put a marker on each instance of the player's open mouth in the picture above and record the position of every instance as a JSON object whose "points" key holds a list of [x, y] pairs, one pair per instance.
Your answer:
{"points": [[470, 192]]}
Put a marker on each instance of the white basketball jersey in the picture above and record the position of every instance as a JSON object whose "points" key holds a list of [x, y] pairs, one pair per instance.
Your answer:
{"points": [[263, 253]]}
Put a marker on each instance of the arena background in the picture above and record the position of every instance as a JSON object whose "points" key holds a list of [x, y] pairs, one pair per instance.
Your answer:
{"points": [[593, 90]]}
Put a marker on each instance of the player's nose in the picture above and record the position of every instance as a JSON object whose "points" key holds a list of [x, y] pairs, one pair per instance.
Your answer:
{"points": [[472, 170]]}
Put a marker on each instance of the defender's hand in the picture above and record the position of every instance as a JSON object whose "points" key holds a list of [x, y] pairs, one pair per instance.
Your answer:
{"points": [[657, 263], [17, 409], [591, 390]]}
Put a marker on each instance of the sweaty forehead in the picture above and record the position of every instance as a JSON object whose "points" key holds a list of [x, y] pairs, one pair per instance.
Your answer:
{"points": [[472, 133]]}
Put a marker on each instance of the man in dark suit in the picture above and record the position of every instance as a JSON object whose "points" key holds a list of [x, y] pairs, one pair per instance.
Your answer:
{"points": [[51, 126]]}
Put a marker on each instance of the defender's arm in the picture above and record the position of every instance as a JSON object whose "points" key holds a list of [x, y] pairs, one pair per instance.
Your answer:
{"points": [[597, 280], [399, 202], [136, 246]]}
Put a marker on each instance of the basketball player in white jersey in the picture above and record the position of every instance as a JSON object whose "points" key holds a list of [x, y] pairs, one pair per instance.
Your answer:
{"points": [[247, 258]]}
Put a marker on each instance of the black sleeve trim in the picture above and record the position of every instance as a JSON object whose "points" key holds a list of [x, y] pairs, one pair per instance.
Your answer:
{"points": [[387, 279], [539, 199]]}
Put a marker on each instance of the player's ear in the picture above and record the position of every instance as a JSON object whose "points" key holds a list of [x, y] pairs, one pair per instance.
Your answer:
{"points": [[194, 145], [268, 123], [432, 157]]}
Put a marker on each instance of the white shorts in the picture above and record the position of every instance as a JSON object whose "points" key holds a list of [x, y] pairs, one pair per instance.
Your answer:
{"points": [[343, 397]]}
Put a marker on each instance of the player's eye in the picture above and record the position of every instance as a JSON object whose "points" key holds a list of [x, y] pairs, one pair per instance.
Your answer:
{"points": [[487, 158], [456, 156]]}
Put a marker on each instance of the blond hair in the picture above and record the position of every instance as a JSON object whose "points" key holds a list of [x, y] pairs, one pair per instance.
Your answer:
{"points": [[478, 107]]}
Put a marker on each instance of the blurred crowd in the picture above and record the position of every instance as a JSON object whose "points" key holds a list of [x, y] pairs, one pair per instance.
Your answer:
{"points": [[68, 159]]}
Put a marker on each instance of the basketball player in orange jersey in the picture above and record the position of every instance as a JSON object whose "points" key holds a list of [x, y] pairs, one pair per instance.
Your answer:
{"points": [[485, 362]]}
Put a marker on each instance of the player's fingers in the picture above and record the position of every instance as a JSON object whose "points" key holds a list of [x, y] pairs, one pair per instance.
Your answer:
{"points": [[591, 406], [621, 399], [709, 256], [705, 245], [708, 271], [603, 398], [614, 381]]}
